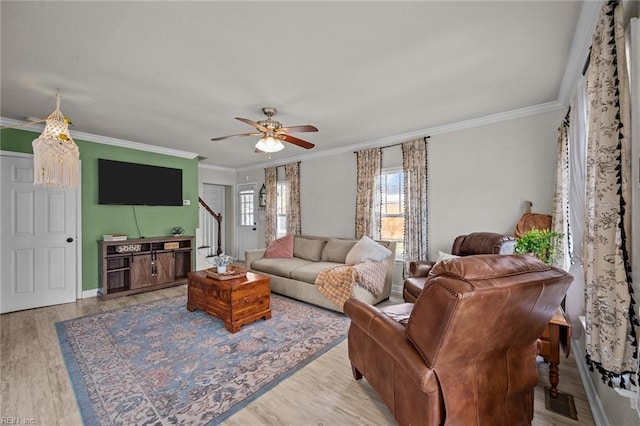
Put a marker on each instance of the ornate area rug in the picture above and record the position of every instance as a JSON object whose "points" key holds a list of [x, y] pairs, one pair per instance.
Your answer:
{"points": [[159, 364]]}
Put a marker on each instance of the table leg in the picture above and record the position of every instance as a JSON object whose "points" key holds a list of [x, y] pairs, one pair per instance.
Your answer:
{"points": [[554, 358], [554, 378]]}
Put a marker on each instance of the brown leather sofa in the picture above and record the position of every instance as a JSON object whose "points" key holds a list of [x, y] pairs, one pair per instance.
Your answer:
{"points": [[463, 245], [465, 352]]}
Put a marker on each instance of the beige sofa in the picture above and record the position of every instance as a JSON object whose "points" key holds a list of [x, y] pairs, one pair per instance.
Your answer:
{"points": [[295, 277]]}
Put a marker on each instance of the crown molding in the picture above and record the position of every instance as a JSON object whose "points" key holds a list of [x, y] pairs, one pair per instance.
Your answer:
{"points": [[389, 140], [217, 168], [431, 131], [105, 140], [579, 51]]}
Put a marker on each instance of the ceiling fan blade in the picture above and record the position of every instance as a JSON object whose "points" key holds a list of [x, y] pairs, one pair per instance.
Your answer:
{"points": [[296, 141], [235, 136], [253, 123], [300, 129]]}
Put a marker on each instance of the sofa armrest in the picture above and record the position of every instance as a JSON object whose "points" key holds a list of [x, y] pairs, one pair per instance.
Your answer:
{"points": [[390, 335], [420, 268], [251, 255]]}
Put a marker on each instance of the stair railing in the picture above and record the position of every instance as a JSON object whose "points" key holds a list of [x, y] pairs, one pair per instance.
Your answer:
{"points": [[207, 222]]}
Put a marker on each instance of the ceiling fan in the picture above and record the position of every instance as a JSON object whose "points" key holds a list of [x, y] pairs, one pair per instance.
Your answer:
{"points": [[273, 133]]}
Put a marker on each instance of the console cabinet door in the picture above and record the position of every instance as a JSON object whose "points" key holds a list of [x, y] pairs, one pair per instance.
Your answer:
{"points": [[141, 271], [151, 269], [164, 268]]}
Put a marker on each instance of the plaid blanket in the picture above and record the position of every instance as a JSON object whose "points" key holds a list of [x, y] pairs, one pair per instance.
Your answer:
{"points": [[337, 283]]}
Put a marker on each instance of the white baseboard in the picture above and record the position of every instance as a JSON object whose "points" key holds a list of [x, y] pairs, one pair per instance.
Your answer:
{"points": [[597, 411], [89, 293]]}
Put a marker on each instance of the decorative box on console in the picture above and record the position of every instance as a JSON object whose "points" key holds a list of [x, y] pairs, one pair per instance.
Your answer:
{"points": [[129, 248]]}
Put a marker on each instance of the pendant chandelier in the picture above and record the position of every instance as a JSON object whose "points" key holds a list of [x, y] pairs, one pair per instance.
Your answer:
{"points": [[56, 157]]}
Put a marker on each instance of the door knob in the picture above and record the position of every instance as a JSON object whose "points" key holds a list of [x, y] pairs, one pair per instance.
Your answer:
{"points": [[70, 240]]}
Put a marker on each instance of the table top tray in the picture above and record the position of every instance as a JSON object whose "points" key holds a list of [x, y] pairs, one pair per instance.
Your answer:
{"points": [[233, 272]]}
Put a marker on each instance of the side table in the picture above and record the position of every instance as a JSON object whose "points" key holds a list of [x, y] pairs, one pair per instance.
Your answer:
{"points": [[557, 333]]}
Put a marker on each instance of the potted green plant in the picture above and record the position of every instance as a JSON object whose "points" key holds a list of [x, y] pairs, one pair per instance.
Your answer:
{"points": [[542, 243], [222, 261]]}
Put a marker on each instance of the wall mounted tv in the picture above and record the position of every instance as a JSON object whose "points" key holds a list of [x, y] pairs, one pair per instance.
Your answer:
{"points": [[138, 184]]}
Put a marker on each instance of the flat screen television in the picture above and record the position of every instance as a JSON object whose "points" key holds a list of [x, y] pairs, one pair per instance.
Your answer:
{"points": [[138, 184]]}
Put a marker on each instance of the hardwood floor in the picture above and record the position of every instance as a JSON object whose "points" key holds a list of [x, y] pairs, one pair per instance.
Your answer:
{"points": [[34, 382]]}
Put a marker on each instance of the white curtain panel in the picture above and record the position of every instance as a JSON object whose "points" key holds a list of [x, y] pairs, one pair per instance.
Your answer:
{"points": [[270, 183], [414, 164], [560, 213], [368, 213], [610, 337], [294, 217]]}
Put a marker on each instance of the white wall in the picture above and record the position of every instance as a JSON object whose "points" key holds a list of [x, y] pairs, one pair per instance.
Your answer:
{"points": [[328, 194], [479, 178]]}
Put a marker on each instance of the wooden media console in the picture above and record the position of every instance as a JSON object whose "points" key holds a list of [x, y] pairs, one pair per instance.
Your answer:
{"points": [[143, 264]]}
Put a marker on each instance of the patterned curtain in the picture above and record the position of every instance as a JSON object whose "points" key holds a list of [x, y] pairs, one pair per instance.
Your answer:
{"points": [[560, 214], [610, 336], [414, 165], [271, 183], [368, 213], [294, 218]]}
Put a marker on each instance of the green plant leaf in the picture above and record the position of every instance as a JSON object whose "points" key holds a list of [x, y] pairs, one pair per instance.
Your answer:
{"points": [[542, 243]]}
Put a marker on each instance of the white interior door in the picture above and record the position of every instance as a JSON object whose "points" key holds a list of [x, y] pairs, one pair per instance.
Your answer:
{"points": [[38, 248], [247, 220]]}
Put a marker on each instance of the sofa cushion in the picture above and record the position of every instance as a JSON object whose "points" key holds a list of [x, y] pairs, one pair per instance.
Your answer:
{"points": [[308, 273], [279, 266], [280, 248], [304, 248], [367, 249], [336, 250]]}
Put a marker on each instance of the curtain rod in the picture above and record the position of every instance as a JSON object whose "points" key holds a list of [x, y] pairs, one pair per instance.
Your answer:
{"points": [[392, 145]]}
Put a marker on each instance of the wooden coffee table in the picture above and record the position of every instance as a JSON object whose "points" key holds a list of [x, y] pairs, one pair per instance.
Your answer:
{"points": [[236, 302]]}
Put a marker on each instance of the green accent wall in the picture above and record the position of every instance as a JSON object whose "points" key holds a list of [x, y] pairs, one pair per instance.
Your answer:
{"points": [[98, 219]]}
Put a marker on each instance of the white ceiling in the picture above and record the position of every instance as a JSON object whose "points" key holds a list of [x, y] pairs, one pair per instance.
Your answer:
{"points": [[175, 74]]}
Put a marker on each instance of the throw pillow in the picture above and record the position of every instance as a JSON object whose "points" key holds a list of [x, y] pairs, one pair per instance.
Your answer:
{"points": [[308, 249], [282, 247], [367, 249], [444, 256], [336, 250]]}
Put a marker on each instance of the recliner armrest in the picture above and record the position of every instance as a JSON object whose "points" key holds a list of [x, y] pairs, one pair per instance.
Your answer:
{"points": [[420, 268], [390, 335]]}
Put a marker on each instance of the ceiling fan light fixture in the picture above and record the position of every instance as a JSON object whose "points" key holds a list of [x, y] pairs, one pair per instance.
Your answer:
{"points": [[269, 144]]}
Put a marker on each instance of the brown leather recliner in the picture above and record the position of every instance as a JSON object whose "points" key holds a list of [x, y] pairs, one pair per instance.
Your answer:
{"points": [[463, 245], [465, 353]]}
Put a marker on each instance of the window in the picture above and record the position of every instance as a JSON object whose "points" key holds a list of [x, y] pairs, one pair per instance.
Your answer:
{"points": [[246, 207], [392, 208], [281, 210]]}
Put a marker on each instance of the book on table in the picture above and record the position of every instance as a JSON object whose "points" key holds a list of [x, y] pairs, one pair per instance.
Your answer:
{"points": [[114, 237]]}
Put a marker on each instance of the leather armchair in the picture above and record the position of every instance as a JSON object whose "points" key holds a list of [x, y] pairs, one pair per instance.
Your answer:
{"points": [[465, 352], [463, 245]]}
